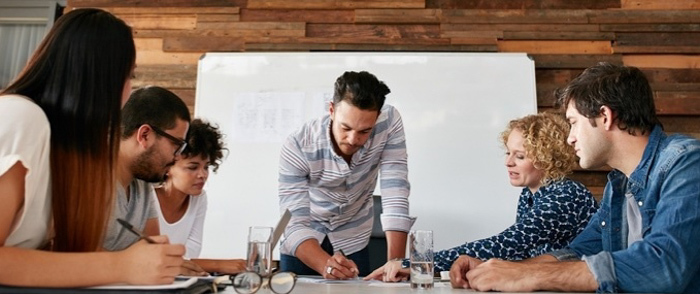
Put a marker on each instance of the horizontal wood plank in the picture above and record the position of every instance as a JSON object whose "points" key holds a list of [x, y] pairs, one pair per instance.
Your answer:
{"points": [[520, 27], [561, 35], [373, 31], [150, 52], [681, 124], [573, 61], [298, 15], [162, 22], [398, 15], [555, 47], [677, 103], [662, 61], [658, 39], [657, 49], [644, 16], [472, 34], [663, 27], [660, 4], [334, 4], [202, 44], [159, 3], [522, 4], [218, 18], [515, 16], [172, 10]]}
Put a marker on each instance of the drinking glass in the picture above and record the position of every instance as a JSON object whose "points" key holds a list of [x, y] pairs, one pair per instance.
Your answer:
{"points": [[421, 256], [259, 257]]}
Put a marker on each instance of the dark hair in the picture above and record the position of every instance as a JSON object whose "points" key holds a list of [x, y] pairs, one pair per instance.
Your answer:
{"points": [[77, 77], [625, 90], [361, 89], [155, 106], [206, 140]]}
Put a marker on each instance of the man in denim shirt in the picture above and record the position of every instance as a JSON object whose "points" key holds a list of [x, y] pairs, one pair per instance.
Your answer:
{"points": [[644, 237]]}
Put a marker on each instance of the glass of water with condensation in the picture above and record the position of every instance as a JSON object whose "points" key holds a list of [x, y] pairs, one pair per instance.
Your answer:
{"points": [[421, 255]]}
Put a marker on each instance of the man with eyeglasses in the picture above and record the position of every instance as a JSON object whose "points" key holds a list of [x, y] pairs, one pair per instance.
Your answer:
{"points": [[154, 125]]}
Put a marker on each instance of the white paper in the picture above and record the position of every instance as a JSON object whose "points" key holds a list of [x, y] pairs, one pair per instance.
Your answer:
{"points": [[178, 284]]}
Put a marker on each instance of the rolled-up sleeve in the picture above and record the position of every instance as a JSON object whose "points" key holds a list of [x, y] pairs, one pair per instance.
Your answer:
{"points": [[394, 179], [293, 190]]}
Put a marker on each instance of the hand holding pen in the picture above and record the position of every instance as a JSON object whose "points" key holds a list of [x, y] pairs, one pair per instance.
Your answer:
{"points": [[154, 263], [340, 267]]}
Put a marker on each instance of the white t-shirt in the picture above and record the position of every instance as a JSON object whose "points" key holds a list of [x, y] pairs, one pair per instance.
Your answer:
{"points": [[25, 136], [189, 230]]}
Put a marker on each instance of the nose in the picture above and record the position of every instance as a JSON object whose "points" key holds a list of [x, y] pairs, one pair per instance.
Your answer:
{"points": [[571, 139], [353, 138], [509, 161]]}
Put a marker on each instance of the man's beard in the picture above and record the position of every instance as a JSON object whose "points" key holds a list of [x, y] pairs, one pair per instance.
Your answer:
{"points": [[144, 168]]}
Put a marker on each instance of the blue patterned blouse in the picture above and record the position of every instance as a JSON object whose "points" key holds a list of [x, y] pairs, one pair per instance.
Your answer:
{"points": [[546, 221]]}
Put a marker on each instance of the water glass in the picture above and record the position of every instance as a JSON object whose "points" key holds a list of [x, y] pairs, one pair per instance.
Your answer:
{"points": [[259, 256], [421, 256]]}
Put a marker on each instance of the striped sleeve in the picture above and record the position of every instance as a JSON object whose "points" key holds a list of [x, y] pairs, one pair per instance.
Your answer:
{"points": [[394, 178], [294, 195]]}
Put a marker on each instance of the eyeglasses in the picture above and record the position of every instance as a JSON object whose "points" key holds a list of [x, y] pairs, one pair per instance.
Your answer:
{"points": [[251, 282], [182, 144]]}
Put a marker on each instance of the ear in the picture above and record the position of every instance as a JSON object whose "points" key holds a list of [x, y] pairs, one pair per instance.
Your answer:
{"points": [[145, 135], [331, 108], [608, 117]]}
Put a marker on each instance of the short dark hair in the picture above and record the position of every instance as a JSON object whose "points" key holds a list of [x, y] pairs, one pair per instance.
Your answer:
{"points": [[206, 140], [624, 89], [155, 106], [361, 89]]}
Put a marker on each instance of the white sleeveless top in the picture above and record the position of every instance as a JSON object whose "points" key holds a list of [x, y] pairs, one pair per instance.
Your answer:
{"points": [[25, 136]]}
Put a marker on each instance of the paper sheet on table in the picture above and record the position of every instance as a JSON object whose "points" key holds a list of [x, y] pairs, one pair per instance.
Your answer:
{"points": [[178, 284]]}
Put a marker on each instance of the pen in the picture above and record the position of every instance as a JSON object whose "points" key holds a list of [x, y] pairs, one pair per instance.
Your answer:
{"points": [[130, 228], [354, 269]]}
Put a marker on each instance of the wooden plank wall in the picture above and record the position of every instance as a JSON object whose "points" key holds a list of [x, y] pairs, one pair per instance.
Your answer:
{"points": [[564, 36]]}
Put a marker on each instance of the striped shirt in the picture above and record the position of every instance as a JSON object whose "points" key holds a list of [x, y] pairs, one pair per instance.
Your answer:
{"points": [[329, 197]]}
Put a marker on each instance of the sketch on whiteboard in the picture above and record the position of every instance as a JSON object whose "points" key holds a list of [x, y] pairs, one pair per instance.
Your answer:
{"points": [[266, 117]]}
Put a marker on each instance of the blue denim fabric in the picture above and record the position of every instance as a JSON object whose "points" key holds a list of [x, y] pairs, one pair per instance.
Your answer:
{"points": [[666, 184]]}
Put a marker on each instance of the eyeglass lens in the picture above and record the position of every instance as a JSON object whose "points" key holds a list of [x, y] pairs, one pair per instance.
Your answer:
{"points": [[250, 282]]}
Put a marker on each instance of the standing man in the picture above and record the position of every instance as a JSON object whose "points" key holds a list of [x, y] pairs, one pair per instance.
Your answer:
{"points": [[328, 172], [644, 237], [154, 126]]}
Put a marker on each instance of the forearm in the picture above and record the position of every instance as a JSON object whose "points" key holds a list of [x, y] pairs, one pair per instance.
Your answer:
{"points": [[567, 276], [311, 254], [396, 244], [24, 267], [228, 266]]}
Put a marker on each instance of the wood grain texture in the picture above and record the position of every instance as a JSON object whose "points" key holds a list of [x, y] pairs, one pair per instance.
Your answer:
{"points": [[203, 44], [555, 47], [522, 4], [156, 3], [298, 15], [660, 4], [515, 16], [398, 15], [163, 22], [573, 61], [644, 16], [334, 4], [172, 10], [373, 31], [662, 61]]}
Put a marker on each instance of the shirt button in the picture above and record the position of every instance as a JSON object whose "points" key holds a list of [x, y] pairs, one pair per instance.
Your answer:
{"points": [[602, 223], [640, 203]]}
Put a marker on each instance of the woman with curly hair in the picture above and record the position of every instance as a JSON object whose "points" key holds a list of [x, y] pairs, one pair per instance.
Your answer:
{"points": [[182, 202], [552, 210]]}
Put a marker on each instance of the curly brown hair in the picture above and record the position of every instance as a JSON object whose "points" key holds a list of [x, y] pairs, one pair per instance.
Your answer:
{"points": [[206, 140], [545, 144]]}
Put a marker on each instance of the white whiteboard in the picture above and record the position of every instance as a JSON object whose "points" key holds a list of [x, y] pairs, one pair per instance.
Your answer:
{"points": [[454, 106]]}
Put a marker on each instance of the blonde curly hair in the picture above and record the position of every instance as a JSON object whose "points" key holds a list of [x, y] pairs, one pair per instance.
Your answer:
{"points": [[545, 144]]}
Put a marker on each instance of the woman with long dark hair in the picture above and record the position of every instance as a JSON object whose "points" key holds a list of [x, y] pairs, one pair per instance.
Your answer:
{"points": [[59, 140]]}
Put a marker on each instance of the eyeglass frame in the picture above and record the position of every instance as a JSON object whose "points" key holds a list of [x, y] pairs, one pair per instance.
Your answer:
{"points": [[182, 144], [264, 281]]}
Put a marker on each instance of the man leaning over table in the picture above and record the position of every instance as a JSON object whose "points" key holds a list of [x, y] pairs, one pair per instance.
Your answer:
{"points": [[328, 172], [644, 236]]}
